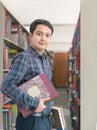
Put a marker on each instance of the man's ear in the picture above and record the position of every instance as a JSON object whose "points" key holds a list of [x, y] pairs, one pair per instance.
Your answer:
{"points": [[30, 35]]}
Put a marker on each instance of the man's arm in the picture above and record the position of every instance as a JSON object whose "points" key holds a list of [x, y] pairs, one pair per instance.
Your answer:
{"points": [[10, 85]]}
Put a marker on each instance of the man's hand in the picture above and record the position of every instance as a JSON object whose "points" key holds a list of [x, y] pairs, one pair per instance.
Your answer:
{"points": [[42, 105]]}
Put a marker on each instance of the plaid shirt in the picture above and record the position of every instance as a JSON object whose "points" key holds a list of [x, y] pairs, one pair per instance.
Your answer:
{"points": [[25, 66]]}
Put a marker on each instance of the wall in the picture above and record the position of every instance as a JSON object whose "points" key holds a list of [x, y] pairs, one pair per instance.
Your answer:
{"points": [[62, 38], [63, 33], [88, 65]]}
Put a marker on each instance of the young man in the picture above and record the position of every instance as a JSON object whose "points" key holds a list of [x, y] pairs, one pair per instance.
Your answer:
{"points": [[25, 66]]}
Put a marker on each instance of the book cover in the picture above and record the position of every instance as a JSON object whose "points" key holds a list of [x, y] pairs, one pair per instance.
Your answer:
{"points": [[39, 86], [58, 118]]}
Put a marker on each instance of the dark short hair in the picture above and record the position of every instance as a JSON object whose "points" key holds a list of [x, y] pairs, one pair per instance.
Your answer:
{"points": [[34, 24]]}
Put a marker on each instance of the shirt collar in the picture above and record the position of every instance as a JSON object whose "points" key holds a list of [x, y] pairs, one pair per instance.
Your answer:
{"points": [[33, 51]]}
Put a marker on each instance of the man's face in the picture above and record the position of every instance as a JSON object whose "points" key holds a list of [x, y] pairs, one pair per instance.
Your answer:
{"points": [[40, 38]]}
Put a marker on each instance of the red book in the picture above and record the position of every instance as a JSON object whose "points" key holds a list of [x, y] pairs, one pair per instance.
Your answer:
{"points": [[5, 54], [7, 106], [39, 86]]}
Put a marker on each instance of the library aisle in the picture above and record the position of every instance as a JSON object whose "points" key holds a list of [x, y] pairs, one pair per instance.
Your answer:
{"points": [[62, 100]]}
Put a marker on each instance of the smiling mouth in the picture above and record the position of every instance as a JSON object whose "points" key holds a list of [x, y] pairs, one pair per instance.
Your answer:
{"points": [[42, 43]]}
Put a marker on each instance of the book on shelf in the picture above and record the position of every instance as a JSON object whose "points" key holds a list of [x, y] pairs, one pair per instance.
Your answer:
{"points": [[7, 117], [58, 118], [39, 86], [5, 55], [7, 25], [14, 33]]}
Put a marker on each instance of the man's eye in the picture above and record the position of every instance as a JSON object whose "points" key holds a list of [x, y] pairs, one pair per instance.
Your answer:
{"points": [[48, 35], [39, 34]]}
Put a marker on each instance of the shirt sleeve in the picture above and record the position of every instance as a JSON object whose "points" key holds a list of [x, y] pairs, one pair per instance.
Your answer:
{"points": [[10, 84]]}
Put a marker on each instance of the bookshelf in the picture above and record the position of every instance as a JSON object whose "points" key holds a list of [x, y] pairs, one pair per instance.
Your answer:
{"points": [[74, 79], [13, 36]]}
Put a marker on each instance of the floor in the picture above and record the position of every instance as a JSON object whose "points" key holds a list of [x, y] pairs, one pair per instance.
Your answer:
{"points": [[62, 100]]}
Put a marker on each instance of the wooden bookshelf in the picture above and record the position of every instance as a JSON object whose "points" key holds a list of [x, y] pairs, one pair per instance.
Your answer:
{"points": [[8, 38]]}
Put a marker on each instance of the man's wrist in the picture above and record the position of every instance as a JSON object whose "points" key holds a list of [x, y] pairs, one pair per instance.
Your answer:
{"points": [[35, 103]]}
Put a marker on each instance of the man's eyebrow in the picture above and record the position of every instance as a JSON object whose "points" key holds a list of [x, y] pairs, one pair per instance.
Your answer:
{"points": [[44, 33]]}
